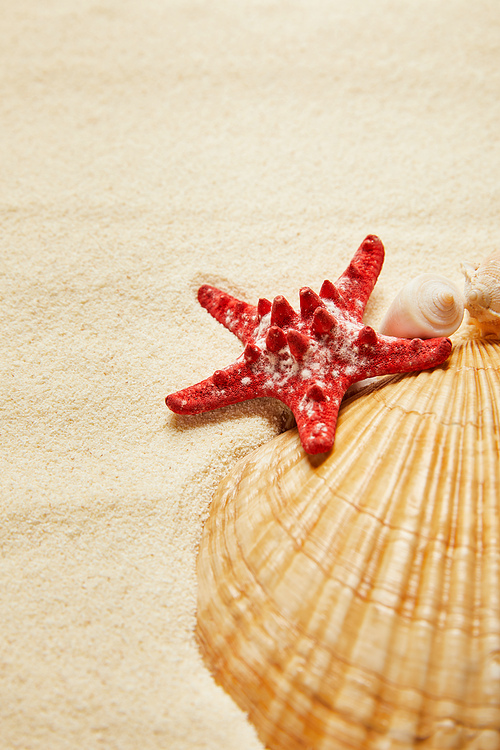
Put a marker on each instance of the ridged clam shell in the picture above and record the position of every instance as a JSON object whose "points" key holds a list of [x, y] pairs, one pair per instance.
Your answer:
{"points": [[354, 602]]}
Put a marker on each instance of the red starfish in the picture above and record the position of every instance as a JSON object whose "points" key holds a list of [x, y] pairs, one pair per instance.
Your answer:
{"points": [[307, 359]]}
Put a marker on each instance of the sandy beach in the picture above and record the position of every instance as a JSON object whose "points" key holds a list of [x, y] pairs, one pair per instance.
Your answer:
{"points": [[147, 148]]}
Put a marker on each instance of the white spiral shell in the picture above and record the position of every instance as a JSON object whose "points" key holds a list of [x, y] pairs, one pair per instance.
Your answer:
{"points": [[482, 293], [428, 306]]}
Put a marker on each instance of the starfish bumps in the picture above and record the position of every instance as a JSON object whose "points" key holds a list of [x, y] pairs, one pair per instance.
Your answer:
{"points": [[307, 359]]}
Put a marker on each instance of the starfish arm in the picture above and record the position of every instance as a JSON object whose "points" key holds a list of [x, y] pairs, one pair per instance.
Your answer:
{"points": [[407, 355], [237, 316], [317, 420], [357, 282], [228, 386]]}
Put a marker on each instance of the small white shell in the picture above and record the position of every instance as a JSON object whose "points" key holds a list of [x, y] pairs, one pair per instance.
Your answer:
{"points": [[482, 293], [428, 306]]}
